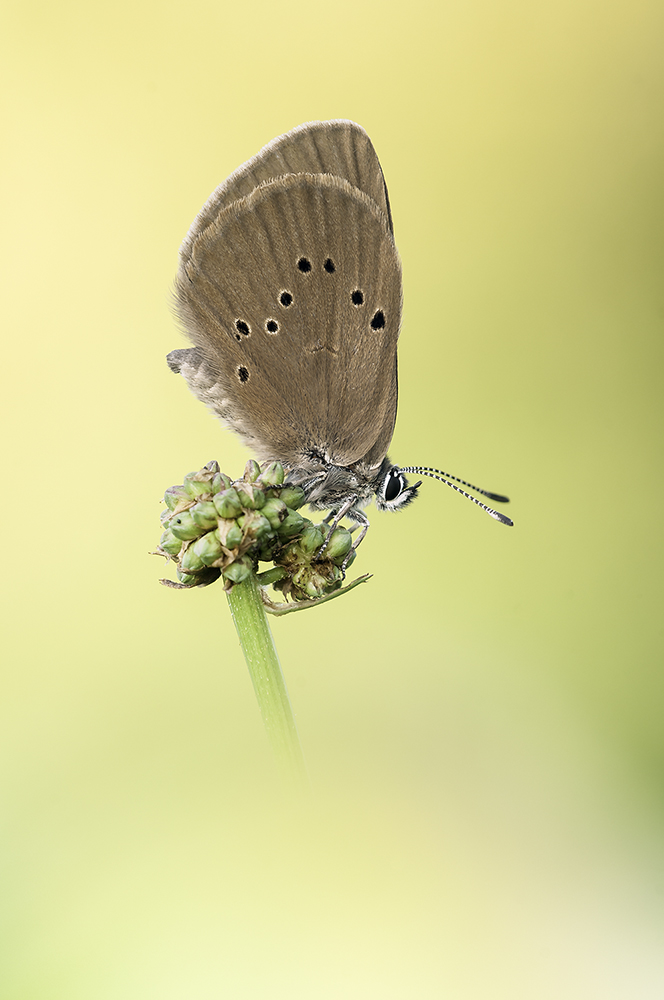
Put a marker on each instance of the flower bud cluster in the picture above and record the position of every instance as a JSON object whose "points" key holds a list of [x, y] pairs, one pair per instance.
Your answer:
{"points": [[214, 527]]}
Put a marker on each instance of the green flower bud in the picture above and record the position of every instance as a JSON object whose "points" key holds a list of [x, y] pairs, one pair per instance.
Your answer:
{"points": [[252, 471], [339, 545], [221, 482], [250, 496], [186, 578], [309, 581], [183, 526], [254, 525], [292, 496], [190, 561], [318, 581], [227, 503], [205, 514], [312, 539], [291, 524], [273, 474], [289, 555], [170, 543], [211, 467], [198, 484], [231, 536], [239, 570], [208, 548], [175, 495], [267, 548], [275, 511]]}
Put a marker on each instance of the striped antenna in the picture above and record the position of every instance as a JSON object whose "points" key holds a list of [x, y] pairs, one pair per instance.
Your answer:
{"points": [[444, 477]]}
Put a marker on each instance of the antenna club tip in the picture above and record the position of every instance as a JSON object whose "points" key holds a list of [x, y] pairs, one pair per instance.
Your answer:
{"points": [[445, 477]]}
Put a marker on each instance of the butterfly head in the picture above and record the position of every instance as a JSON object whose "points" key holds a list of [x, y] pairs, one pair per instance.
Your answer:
{"points": [[392, 489]]}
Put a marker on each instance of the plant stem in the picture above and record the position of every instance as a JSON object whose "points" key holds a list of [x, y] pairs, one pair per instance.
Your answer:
{"points": [[269, 684]]}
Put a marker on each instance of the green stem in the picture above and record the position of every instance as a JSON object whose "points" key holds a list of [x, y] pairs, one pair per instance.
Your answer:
{"points": [[269, 684]]}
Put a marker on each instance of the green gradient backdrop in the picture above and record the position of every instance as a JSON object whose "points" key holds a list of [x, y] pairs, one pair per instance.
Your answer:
{"points": [[483, 721]]}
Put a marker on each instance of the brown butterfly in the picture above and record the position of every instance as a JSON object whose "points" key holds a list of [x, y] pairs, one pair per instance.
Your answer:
{"points": [[289, 288]]}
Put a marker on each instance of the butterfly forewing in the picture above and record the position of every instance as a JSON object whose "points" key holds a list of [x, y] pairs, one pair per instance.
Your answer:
{"points": [[339, 147], [293, 295]]}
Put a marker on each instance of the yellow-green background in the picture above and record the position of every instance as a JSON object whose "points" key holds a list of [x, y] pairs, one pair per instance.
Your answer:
{"points": [[483, 721]]}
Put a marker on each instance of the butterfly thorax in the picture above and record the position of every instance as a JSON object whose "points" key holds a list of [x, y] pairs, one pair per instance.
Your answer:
{"points": [[349, 489], [331, 487]]}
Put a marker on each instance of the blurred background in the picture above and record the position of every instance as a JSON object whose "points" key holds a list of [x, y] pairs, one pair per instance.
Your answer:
{"points": [[482, 721]]}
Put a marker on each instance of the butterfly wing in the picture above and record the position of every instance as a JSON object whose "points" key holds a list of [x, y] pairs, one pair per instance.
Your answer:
{"points": [[338, 147], [292, 298]]}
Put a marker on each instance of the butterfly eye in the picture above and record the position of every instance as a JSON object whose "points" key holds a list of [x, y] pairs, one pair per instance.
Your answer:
{"points": [[394, 484], [395, 491]]}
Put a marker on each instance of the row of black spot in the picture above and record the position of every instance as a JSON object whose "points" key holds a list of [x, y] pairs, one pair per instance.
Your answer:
{"points": [[304, 265], [356, 296], [377, 323], [286, 299], [244, 329]]}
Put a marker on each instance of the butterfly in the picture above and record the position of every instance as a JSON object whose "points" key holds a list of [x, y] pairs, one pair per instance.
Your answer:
{"points": [[289, 289]]}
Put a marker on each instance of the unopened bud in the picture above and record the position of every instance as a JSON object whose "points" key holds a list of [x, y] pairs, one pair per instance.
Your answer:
{"points": [[273, 475], [339, 545], [205, 514], [221, 482], [198, 484], [230, 534], [292, 496], [252, 471], [309, 581], [254, 524], [170, 543], [275, 511], [190, 561], [239, 570], [227, 503], [312, 539], [267, 548], [208, 548], [175, 495], [250, 496], [183, 526], [291, 524]]}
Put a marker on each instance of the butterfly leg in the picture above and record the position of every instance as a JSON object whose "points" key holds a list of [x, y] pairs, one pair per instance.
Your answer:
{"points": [[365, 528], [333, 520], [362, 521]]}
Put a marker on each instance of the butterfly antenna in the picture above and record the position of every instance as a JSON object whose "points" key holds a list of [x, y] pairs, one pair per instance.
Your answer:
{"points": [[444, 477]]}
